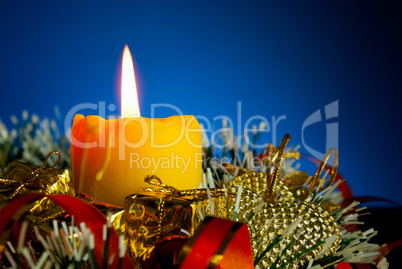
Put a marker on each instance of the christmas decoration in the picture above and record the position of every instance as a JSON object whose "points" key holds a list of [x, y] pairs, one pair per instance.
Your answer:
{"points": [[21, 178], [294, 219], [61, 249]]}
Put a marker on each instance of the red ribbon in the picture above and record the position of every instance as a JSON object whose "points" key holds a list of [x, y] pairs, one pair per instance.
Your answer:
{"points": [[82, 211], [346, 265], [217, 243], [386, 249]]}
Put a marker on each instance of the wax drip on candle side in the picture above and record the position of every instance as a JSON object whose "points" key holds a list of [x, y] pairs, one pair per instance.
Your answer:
{"points": [[99, 175], [129, 102], [83, 164]]}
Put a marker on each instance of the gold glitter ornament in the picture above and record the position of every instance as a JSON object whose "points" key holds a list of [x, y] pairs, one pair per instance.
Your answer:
{"points": [[316, 225], [267, 185], [269, 208], [257, 182], [272, 219]]}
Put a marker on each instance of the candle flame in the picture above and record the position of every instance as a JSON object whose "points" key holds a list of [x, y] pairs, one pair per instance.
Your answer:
{"points": [[129, 98]]}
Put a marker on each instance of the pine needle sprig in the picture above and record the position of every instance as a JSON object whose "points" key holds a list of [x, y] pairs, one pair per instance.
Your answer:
{"points": [[30, 140]]}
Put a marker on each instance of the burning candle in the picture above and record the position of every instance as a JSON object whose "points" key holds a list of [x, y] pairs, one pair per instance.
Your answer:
{"points": [[110, 158]]}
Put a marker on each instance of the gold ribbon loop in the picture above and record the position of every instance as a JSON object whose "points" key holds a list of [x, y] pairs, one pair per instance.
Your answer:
{"points": [[43, 168], [334, 171], [48, 156], [278, 165], [156, 181]]}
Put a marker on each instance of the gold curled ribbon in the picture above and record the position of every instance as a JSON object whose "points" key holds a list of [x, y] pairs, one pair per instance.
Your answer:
{"points": [[278, 165], [29, 181], [334, 171]]}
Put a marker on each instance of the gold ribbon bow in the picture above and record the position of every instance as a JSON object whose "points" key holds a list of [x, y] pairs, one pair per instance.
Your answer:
{"points": [[30, 181]]}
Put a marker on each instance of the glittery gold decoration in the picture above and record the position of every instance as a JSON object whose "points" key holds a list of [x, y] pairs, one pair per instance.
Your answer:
{"points": [[301, 193], [266, 185], [269, 207], [316, 225], [297, 180], [118, 222], [271, 153], [21, 178], [257, 182]]}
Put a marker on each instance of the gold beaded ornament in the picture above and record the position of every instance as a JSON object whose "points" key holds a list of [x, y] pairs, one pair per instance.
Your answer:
{"points": [[286, 227]]}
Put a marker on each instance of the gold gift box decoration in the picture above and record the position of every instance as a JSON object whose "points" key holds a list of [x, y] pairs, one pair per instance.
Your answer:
{"points": [[21, 178], [159, 213]]}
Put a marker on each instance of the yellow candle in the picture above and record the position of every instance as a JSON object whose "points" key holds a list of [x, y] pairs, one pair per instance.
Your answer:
{"points": [[110, 158]]}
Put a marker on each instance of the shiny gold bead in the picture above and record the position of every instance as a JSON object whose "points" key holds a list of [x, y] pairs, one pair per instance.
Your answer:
{"points": [[301, 193]]}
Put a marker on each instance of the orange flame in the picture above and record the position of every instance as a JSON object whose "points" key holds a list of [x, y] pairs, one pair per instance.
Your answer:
{"points": [[129, 98]]}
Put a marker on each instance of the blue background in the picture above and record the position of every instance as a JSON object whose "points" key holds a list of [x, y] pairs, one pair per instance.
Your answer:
{"points": [[288, 58]]}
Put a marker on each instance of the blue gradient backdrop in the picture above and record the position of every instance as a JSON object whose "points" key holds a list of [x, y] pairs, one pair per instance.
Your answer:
{"points": [[279, 59]]}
